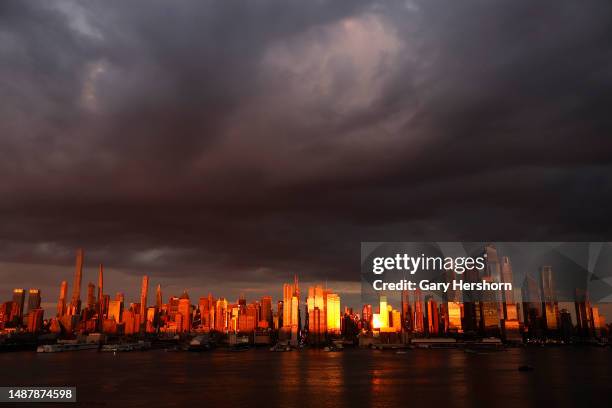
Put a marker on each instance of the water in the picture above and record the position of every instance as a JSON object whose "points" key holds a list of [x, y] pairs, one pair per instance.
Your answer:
{"points": [[312, 378]]}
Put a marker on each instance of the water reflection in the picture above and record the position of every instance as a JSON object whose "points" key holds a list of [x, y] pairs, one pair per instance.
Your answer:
{"points": [[313, 378]]}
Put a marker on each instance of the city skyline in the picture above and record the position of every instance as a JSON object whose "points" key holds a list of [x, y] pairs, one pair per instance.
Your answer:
{"points": [[318, 311]]}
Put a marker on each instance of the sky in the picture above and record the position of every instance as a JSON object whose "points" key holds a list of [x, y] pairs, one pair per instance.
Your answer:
{"points": [[224, 146]]}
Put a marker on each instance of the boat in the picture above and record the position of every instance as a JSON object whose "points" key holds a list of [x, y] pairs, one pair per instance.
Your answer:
{"points": [[240, 347], [280, 348], [199, 343], [61, 347], [139, 346]]}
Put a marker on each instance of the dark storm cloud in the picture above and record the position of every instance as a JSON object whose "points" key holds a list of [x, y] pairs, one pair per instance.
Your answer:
{"points": [[251, 140]]}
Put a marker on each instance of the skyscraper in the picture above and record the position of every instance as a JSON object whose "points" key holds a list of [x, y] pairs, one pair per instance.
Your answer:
{"points": [[584, 320], [332, 312], [184, 309], [433, 316], [115, 310], [33, 299], [366, 316], [35, 320], [61, 304], [550, 306], [383, 313], [143, 295], [510, 326], [101, 310], [91, 296], [18, 300], [221, 323], [406, 310], [532, 306], [489, 311], [419, 321], [266, 310], [75, 304], [158, 298], [316, 307], [291, 311]]}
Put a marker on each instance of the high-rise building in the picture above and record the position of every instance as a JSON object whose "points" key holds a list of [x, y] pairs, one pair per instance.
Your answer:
{"points": [[184, 309], [383, 313], [406, 309], [91, 296], [151, 321], [61, 304], [266, 310], [584, 320], [279, 315], [115, 310], [366, 316], [291, 311], [332, 312], [158, 297], [75, 304], [18, 300], [316, 307], [471, 301], [453, 314], [33, 299], [207, 312], [550, 306], [101, 310], [510, 319], [419, 320], [489, 313], [221, 322], [532, 307], [433, 317], [143, 295], [35, 320]]}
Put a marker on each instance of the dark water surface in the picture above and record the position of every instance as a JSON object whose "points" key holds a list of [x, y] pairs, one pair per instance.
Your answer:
{"points": [[312, 378]]}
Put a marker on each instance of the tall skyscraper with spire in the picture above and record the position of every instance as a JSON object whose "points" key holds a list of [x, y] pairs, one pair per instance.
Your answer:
{"points": [[291, 310], [143, 295], [101, 291], [75, 304]]}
